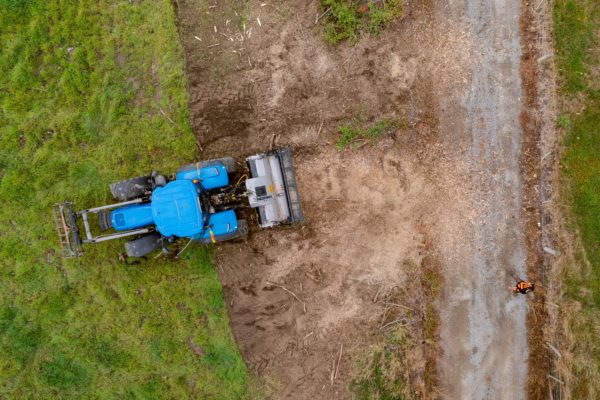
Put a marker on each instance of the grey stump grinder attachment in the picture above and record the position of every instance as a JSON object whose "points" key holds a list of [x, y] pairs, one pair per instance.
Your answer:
{"points": [[273, 190]]}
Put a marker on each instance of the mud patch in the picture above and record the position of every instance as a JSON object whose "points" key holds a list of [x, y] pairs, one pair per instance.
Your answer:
{"points": [[358, 237], [260, 75], [227, 117]]}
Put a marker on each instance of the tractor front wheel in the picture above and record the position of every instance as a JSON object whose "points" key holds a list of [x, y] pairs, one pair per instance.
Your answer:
{"points": [[144, 245], [130, 189]]}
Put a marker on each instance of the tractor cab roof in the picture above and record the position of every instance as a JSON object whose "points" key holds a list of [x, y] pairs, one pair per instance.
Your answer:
{"points": [[176, 209]]}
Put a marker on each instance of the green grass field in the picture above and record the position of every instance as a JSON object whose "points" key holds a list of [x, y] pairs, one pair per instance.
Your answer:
{"points": [[577, 29], [92, 92]]}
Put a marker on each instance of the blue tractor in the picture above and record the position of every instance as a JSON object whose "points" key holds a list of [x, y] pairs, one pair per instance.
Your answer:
{"points": [[200, 202]]}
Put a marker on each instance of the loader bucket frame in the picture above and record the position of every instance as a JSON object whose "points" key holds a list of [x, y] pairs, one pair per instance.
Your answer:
{"points": [[67, 229]]}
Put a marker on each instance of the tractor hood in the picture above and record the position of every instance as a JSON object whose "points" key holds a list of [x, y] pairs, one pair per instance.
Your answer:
{"points": [[176, 209]]}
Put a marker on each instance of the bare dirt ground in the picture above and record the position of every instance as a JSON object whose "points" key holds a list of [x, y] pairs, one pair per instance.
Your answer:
{"points": [[368, 210], [446, 188]]}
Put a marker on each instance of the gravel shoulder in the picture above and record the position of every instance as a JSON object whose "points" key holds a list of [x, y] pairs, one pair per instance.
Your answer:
{"points": [[483, 329]]}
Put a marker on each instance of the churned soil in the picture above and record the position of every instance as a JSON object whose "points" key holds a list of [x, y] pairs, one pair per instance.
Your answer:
{"points": [[303, 301]]}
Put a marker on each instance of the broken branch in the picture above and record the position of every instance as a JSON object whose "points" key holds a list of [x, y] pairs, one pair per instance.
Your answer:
{"points": [[290, 292], [390, 323], [338, 363], [166, 116], [322, 15]]}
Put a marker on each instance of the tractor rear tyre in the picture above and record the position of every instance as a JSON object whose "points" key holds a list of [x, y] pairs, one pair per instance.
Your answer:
{"points": [[144, 245], [227, 162], [130, 189]]}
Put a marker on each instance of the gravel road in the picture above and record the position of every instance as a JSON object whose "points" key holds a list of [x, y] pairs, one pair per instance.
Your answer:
{"points": [[483, 331]]}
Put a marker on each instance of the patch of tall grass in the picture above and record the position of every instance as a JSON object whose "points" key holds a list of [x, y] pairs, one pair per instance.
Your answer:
{"points": [[85, 88], [576, 32]]}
